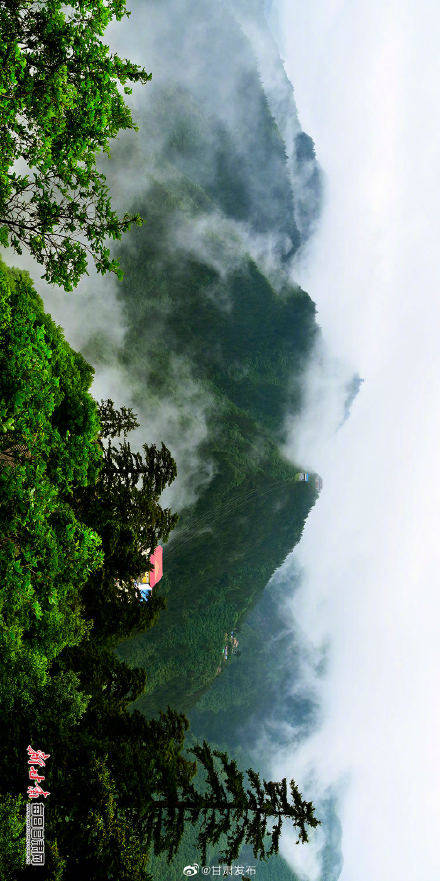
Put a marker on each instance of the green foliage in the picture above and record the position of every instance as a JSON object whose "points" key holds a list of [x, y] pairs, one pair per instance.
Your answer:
{"points": [[12, 836], [236, 331], [105, 772], [61, 686], [231, 541], [251, 814], [115, 422], [122, 506], [60, 105], [247, 358], [46, 554], [122, 783], [77, 512], [246, 345]]}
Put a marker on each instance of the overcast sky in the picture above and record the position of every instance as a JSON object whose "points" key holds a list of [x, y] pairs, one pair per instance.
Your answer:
{"points": [[367, 83]]}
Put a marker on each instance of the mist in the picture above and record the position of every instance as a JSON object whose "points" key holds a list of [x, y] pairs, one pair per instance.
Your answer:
{"points": [[171, 40], [365, 616]]}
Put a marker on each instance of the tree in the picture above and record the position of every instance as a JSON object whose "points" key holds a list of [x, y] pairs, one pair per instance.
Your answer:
{"points": [[123, 508], [49, 446], [60, 104], [227, 808], [127, 491], [123, 467], [12, 835], [121, 781], [116, 422]]}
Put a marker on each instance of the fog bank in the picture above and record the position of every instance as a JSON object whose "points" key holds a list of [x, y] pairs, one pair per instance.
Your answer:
{"points": [[366, 78]]}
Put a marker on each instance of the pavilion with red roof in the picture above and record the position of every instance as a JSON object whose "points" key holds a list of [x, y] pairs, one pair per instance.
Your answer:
{"points": [[150, 578]]}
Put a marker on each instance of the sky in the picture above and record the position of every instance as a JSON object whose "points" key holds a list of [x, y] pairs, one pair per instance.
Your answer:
{"points": [[366, 76]]}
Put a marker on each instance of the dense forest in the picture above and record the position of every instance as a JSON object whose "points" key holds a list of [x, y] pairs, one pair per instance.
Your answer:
{"points": [[228, 188], [203, 309], [123, 785]]}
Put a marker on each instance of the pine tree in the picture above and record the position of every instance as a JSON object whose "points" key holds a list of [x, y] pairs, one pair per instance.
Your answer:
{"points": [[251, 815], [116, 422], [123, 507]]}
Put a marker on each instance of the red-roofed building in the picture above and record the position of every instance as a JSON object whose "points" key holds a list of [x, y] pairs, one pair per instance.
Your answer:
{"points": [[150, 578], [156, 559]]}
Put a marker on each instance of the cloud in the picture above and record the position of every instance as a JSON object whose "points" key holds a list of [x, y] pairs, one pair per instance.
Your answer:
{"points": [[171, 40], [366, 76], [93, 320], [325, 386]]}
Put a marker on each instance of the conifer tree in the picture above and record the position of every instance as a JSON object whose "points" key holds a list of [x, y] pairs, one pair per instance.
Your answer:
{"points": [[250, 814], [116, 422], [123, 507]]}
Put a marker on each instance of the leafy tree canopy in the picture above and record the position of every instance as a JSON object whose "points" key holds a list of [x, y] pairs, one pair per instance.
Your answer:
{"points": [[47, 445], [61, 102]]}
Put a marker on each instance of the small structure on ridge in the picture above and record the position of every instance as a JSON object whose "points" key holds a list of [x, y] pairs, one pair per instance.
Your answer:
{"points": [[151, 577]]}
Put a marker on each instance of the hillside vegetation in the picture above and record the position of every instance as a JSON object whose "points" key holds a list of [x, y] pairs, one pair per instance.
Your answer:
{"points": [[122, 784], [194, 295], [217, 337]]}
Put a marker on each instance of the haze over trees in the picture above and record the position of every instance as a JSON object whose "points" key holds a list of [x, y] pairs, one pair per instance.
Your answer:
{"points": [[119, 784], [122, 506], [229, 810], [79, 508]]}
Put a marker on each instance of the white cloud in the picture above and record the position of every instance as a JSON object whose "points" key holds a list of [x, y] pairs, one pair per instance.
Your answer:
{"points": [[366, 78]]}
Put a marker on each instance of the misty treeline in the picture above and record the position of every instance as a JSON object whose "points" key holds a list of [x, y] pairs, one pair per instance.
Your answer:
{"points": [[77, 510], [215, 182], [79, 507]]}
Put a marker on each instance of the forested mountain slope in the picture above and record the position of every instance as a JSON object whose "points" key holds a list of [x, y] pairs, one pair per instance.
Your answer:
{"points": [[209, 304]]}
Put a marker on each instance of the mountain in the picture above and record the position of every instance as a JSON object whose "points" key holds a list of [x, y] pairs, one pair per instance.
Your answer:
{"points": [[217, 339], [244, 345], [214, 324]]}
